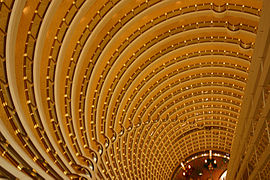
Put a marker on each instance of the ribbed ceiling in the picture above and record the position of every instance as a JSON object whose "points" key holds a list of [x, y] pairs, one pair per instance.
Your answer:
{"points": [[112, 89]]}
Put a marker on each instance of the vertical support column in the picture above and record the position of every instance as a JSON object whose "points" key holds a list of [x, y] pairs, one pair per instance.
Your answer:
{"points": [[267, 129], [256, 82], [264, 157], [256, 156]]}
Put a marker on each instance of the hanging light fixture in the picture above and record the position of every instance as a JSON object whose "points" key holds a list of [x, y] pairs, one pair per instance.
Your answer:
{"points": [[210, 163], [187, 170]]}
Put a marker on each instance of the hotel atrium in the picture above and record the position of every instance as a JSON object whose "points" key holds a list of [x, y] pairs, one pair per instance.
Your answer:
{"points": [[135, 89]]}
